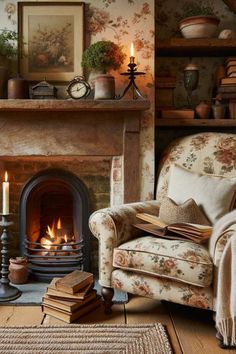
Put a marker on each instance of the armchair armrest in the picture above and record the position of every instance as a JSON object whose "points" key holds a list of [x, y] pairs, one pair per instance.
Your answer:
{"points": [[221, 243], [114, 226]]}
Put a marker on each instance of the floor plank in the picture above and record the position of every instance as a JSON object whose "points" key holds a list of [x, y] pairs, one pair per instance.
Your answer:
{"points": [[145, 310], [20, 315], [195, 330]]}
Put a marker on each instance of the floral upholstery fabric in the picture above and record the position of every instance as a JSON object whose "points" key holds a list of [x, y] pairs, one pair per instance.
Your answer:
{"points": [[162, 288], [212, 153], [180, 260], [113, 226]]}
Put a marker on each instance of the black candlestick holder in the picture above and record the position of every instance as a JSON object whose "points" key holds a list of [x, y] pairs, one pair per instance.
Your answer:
{"points": [[7, 291], [132, 73]]}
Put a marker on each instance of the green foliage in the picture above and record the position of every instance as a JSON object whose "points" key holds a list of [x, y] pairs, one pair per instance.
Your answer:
{"points": [[103, 56], [8, 43], [197, 8]]}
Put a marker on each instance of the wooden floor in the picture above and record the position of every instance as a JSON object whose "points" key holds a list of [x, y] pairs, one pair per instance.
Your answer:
{"points": [[191, 331]]}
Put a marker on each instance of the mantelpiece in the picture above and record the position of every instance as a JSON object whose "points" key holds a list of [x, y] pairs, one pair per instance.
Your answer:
{"points": [[98, 141], [73, 105], [87, 128]]}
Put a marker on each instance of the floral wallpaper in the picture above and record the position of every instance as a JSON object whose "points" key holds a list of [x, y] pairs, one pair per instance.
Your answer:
{"points": [[168, 15], [122, 21]]}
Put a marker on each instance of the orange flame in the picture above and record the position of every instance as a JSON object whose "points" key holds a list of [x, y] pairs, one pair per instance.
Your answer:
{"points": [[59, 224]]}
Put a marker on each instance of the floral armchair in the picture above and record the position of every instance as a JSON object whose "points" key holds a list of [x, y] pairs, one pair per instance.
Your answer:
{"points": [[178, 271]]}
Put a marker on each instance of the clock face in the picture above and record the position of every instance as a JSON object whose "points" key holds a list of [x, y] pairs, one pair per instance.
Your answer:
{"points": [[78, 88]]}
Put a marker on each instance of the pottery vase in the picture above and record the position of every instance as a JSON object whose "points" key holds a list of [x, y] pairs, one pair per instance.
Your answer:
{"points": [[203, 110], [17, 88], [18, 270], [104, 87], [218, 111]]}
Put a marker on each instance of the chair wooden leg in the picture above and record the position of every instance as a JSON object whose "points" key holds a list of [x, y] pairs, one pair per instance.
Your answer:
{"points": [[107, 294]]}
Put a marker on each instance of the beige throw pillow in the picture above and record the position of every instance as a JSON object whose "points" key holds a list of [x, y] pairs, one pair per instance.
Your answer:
{"points": [[215, 195], [189, 211]]}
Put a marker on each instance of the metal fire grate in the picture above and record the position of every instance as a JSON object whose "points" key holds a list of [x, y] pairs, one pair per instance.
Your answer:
{"points": [[61, 259]]}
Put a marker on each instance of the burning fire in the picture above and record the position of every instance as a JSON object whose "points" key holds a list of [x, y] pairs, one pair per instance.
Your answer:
{"points": [[54, 237]]}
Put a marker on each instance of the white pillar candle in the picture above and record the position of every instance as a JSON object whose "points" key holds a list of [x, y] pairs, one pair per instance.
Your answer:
{"points": [[5, 195]]}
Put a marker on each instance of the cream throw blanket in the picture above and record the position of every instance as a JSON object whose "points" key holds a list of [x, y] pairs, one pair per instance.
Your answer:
{"points": [[226, 288]]}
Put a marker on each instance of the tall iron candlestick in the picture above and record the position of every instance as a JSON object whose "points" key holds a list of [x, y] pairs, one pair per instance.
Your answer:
{"points": [[132, 72], [7, 291]]}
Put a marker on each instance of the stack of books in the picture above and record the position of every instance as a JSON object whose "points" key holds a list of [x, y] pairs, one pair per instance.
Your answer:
{"points": [[230, 69], [71, 297], [226, 91]]}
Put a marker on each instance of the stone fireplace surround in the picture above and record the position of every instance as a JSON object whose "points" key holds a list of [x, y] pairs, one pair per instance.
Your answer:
{"points": [[97, 141]]}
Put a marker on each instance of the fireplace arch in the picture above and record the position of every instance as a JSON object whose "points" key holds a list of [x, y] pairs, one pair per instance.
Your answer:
{"points": [[48, 196]]}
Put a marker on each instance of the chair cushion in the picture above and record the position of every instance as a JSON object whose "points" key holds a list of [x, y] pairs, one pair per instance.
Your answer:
{"points": [[207, 152], [180, 260], [215, 194], [188, 212]]}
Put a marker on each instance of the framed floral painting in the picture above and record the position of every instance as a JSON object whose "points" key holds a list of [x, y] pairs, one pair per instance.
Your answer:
{"points": [[51, 40]]}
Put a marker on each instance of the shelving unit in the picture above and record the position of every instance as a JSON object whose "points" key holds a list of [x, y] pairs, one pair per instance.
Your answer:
{"points": [[181, 47]]}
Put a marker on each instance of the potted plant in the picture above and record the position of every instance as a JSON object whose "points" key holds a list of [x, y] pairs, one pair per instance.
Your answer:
{"points": [[199, 20], [101, 57], [8, 50]]}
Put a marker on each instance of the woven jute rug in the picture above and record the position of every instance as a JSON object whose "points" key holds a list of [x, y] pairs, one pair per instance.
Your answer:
{"points": [[85, 339]]}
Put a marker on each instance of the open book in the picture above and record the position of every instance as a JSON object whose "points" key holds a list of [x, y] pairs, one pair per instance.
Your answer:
{"points": [[180, 231]]}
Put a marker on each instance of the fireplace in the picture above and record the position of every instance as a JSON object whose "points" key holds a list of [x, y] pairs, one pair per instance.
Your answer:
{"points": [[54, 209], [85, 153]]}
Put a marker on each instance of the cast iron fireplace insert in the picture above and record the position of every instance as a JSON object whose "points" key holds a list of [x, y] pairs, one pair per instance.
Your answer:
{"points": [[54, 235]]}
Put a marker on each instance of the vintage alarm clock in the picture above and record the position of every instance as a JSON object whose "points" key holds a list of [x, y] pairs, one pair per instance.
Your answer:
{"points": [[78, 88]]}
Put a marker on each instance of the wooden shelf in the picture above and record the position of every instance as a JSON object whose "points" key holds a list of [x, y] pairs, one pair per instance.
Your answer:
{"points": [[185, 122], [73, 105], [196, 47]]}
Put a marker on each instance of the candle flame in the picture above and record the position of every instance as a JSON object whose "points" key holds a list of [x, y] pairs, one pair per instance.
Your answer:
{"points": [[65, 237], [6, 176], [132, 49]]}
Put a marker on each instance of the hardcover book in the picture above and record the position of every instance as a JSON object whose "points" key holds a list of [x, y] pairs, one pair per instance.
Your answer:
{"points": [[68, 316], [75, 281], [66, 305], [53, 292], [177, 113], [181, 231], [228, 81]]}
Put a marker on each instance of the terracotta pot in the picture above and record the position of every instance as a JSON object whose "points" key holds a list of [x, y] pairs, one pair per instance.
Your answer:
{"points": [[18, 269], [199, 26], [203, 110], [104, 87], [17, 88]]}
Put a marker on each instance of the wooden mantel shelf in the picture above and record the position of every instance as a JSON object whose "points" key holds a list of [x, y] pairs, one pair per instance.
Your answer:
{"points": [[73, 105]]}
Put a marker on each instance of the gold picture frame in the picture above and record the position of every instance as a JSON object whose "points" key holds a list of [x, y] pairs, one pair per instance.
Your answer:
{"points": [[51, 40]]}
